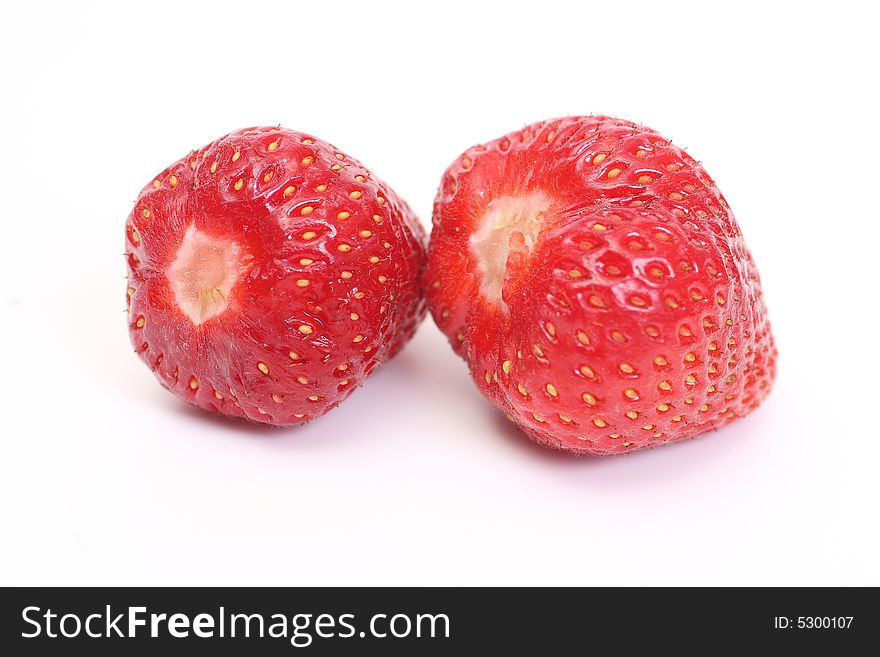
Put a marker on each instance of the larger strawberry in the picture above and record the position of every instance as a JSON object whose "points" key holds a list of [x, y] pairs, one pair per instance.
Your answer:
{"points": [[595, 280], [269, 273]]}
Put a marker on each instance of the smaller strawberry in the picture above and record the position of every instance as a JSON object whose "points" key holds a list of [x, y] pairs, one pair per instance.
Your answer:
{"points": [[268, 274], [595, 280]]}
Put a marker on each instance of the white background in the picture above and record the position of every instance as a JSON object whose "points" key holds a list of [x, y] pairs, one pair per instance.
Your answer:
{"points": [[105, 478]]}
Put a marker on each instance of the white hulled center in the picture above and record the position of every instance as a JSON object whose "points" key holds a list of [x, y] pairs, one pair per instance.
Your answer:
{"points": [[505, 219], [203, 274]]}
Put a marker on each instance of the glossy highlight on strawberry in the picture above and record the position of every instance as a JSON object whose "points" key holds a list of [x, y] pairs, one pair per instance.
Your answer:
{"points": [[268, 274], [596, 282]]}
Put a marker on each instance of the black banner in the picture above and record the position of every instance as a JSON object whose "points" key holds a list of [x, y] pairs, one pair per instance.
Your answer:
{"points": [[419, 621]]}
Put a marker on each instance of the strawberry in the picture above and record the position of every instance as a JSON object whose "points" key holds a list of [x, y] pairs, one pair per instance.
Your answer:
{"points": [[268, 274], [597, 284]]}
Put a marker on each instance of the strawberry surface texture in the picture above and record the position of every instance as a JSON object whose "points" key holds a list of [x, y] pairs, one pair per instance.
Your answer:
{"points": [[268, 274], [597, 284]]}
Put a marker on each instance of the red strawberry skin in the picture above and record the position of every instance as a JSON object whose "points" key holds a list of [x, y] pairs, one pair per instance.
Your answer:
{"points": [[596, 282], [268, 274]]}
